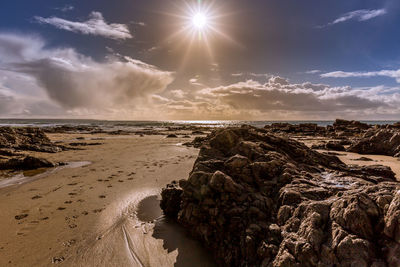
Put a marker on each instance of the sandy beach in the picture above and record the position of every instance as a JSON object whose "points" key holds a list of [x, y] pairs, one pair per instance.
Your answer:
{"points": [[89, 215]]}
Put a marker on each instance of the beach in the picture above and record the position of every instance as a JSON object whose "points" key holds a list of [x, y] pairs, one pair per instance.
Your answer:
{"points": [[100, 204], [85, 216]]}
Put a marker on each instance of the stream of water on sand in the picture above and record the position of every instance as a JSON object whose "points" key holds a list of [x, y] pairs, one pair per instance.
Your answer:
{"points": [[31, 175]]}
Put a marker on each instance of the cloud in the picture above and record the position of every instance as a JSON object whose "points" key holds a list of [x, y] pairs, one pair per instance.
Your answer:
{"points": [[95, 25], [36, 80], [65, 8], [312, 71], [343, 74], [77, 82], [279, 96], [358, 15], [251, 74]]}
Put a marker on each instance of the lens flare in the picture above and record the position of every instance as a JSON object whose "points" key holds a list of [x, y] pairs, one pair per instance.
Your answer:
{"points": [[199, 21]]}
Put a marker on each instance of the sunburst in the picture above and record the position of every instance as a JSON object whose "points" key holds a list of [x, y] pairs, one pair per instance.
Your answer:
{"points": [[200, 24]]}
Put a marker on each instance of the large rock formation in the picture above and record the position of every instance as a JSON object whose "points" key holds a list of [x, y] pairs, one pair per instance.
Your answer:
{"points": [[15, 140], [27, 138], [381, 142], [256, 199]]}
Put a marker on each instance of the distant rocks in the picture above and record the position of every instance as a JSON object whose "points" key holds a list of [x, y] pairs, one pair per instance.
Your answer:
{"points": [[258, 199], [197, 142], [14, 141], [28, 139], [381, 142]]}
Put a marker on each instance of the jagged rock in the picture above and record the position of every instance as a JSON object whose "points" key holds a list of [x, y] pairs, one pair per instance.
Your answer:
{"points": [[383, 142], [257, 199], [27, 138], [171, 200]]}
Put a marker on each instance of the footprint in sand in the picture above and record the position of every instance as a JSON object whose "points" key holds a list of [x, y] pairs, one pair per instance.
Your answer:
{"points": [[109, 186], [29, 227], [21, 216], [57, 259], [102, 196], [85, 213], [98, 210], [69, 243], [72, 184], [61, 208], [68, 202], [36, 197], [121, 181]]}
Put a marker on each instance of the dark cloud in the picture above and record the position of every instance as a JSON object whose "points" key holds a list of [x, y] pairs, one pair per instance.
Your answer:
{"points": [[76, 81]]}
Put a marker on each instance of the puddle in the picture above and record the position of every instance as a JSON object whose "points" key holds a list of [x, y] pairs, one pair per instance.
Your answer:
{"points": [[174, 236], [149, 209], [329, 179], [28, 176]]}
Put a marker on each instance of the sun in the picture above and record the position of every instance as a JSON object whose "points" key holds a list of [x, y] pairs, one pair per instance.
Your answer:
{"points": [[200, 26], [200, 21]]}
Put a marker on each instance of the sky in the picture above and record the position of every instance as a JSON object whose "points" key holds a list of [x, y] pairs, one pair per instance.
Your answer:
{"points": [[200, 60]]}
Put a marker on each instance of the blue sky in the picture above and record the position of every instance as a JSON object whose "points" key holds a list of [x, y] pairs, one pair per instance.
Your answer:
{"points": [[133, 56]]}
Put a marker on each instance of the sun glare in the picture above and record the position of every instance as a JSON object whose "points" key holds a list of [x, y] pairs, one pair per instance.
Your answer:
{"points": [[199, 26], [199, 21]]}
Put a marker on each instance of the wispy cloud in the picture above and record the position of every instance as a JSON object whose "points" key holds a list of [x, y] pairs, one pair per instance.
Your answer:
{"points": [[95, 25], [65, 8], [251, 74], [383, 73], [313, 71], [358, 15]]}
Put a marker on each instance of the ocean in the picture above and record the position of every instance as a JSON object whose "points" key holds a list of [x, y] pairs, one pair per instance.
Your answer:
{"points": [[109, 125]]}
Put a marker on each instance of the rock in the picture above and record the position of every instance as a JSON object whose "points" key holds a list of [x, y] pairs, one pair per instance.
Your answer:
{"points": [[27, 138], [382, 142], [171, 200], [258, 199], [335, 146], [363, 159], [27, 163]]}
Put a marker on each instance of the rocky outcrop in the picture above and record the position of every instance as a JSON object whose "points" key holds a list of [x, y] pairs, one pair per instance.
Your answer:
{"points": [[15, 141], [26, 163], [302, 128], [27, 138], [381, 142], [256, 199]]}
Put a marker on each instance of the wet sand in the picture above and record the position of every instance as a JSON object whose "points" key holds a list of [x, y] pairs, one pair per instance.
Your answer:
{"points": [[102, 214]]}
